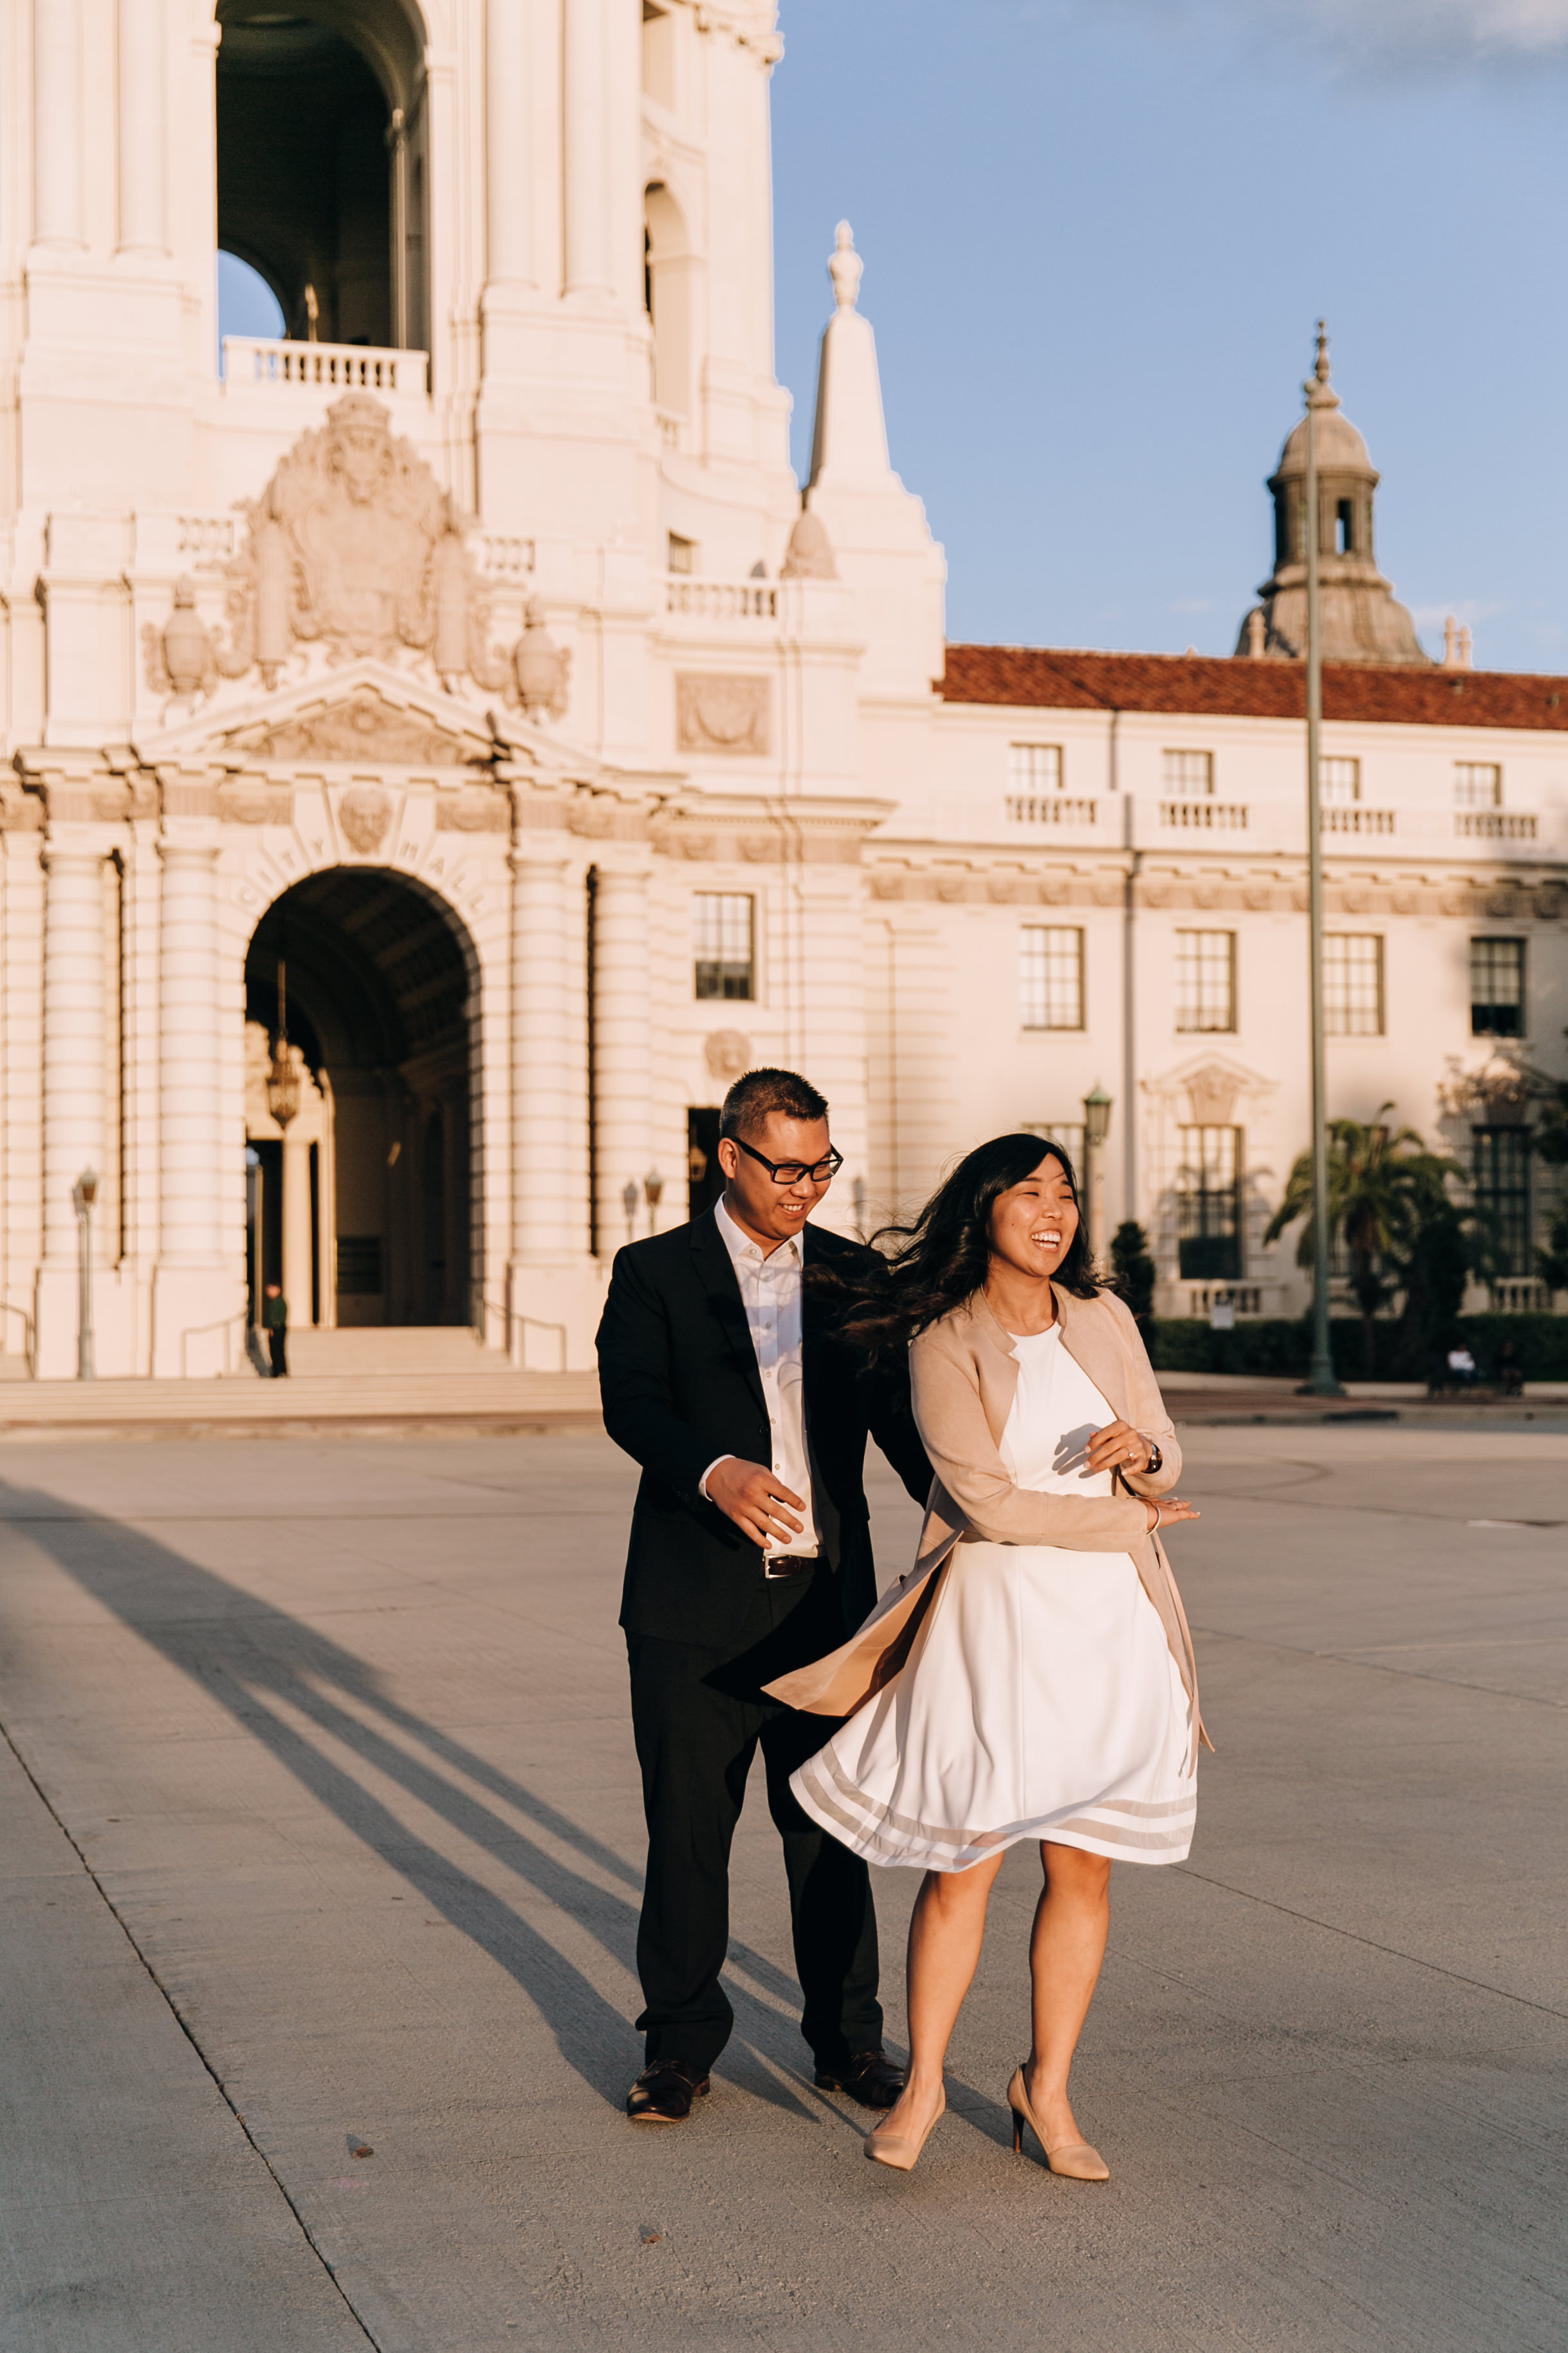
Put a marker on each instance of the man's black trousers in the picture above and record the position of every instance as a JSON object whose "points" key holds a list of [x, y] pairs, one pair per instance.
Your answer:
{"points": [[698, 1715]]}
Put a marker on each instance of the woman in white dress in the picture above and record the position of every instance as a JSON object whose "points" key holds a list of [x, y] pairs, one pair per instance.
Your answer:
{"points": [[1032, 1677]]}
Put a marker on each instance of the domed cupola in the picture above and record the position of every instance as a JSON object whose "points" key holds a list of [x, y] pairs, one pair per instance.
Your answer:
{"points": [[1362, 621]]}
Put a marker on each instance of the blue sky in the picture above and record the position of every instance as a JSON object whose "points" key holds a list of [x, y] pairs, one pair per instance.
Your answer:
{"points": [[1097, 234]]}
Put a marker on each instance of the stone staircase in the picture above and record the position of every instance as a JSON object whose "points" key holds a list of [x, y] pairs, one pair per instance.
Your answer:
{"points": [[427, 1379]]}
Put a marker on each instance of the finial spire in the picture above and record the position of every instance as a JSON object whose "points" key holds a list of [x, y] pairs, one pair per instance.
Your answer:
{"points": [[845, 268], [1320, 392]]}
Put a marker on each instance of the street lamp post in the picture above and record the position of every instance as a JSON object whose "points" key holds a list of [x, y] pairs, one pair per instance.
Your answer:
{"points": [[1320, 1381], [629, 1204], [1096, 1128], [652, 1186], [84, 1193]]}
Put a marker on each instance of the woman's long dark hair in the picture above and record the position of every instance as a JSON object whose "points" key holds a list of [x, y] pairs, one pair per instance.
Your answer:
{"points": [[942, 1260]]}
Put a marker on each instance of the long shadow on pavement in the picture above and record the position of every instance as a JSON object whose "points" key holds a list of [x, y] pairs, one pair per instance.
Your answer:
{"points": [[263, 1666]]}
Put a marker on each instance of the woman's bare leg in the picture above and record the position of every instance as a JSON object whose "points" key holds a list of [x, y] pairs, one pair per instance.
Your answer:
{"points": [[945, 1936], [1065, 1954]]}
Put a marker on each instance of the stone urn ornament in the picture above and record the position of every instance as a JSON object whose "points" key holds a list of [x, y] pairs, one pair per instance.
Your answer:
{"points": [[182, 660], [541, 667]]}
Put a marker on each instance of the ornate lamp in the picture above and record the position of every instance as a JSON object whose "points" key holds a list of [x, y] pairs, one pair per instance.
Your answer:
{"points": [[1096, 1117], [629, 1204], [652, 1187], [282, 1078]]}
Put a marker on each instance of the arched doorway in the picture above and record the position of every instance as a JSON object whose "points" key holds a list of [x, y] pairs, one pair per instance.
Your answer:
{"points": [[321, 163], [362, 1201]]}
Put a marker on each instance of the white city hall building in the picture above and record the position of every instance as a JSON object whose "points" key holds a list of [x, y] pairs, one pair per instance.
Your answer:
{"points": [[444, 745]]}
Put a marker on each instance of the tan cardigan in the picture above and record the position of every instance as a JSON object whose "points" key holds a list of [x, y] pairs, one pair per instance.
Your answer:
{"points": [[964, 1372]]}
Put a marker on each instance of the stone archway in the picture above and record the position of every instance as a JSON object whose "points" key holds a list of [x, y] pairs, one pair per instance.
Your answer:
{"points": [[362, 1204]]}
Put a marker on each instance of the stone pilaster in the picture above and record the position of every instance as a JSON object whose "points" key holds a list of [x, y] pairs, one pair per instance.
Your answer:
{"points": [[623, 1090]]}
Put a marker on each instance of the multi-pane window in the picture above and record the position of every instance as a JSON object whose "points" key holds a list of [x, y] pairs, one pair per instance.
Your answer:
{"points": [[1502, 1193], [1189, 774], [1477, 784], [1208, 1205], [1497, 988], [1353, 983], [724, 929], [1339, 783], [1034, 767], [1206, 980], [1050, 976]]}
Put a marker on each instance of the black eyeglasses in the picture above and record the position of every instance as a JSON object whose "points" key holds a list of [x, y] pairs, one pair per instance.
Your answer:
{"points": [[795, 1172]]}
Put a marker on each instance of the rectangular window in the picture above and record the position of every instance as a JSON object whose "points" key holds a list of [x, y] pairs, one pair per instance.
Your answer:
{"points": [[1188, 774], [1477, 784], [1208, 1205], [1353, 983], [1050, 976], [682, 555], [724, 929], [1206, 980], [1339, 783], [1502, 1193], [1034, 767], [1497, 988]]}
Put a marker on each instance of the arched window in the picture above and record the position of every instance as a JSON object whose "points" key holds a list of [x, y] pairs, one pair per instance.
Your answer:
{"points": [[320, 152], [670, 282]]}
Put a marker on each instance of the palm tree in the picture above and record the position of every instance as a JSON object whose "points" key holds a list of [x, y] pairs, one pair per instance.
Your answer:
{"points": [[1383, 1182]]}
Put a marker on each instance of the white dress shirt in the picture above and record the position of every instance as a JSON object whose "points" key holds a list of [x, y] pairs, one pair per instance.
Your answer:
{"points": [[770, 1295]]}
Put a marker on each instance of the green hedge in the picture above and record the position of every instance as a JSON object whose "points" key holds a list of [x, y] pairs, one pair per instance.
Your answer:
{"points": [[1279, 1345]]}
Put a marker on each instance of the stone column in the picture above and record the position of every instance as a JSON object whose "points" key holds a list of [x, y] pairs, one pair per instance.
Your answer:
{"points": [[544, 1230], [197, 1283], [297, 1260], [143, 202], [57, 122], [188, 1055], [623, 1093], [73, 1079], [73, 1037], [587, 126], [509, 153]]}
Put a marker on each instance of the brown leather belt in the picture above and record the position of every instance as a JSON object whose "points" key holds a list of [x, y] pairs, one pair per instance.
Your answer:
{"points": [[780, 1565]]}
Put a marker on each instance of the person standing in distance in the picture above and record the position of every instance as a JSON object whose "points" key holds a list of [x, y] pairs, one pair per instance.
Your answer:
{"points": [[275, 1323], [751, 1553]]}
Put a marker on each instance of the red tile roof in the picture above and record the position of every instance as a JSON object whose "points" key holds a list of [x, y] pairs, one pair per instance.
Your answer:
{"points": [[1203, 687]]}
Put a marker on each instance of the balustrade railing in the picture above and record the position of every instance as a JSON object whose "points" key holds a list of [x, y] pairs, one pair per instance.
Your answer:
{"points": [[1357, 820], [722, 600], [1206, 816], [256, 363], [1050, 808], [1494, 824]]}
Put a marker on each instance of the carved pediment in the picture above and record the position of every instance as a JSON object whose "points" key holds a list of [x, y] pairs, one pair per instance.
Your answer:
{"points": [[363, 726]]}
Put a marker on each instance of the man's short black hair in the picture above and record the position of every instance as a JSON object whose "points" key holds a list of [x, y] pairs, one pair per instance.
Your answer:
{"points": [[753, 1099]]}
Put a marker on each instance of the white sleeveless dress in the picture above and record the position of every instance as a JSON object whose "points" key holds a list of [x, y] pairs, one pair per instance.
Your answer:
{"points": [[1039, 1699]]}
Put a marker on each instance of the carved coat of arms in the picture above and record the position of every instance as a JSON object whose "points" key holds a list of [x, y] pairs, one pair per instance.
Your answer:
{"points": [[354, 546]]}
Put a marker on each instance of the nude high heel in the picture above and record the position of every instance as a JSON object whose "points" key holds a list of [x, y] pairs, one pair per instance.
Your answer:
{"points": [[1074, 2159], [900, 2149]]}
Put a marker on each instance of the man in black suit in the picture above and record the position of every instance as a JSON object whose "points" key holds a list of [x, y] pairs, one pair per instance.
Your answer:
{"points": [[751, 1553]]}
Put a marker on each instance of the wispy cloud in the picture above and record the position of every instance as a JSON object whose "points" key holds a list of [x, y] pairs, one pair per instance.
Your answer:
{"points": [[1430, 35]]}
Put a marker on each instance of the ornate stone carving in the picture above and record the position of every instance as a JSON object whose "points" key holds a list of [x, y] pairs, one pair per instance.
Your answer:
{"points": [[476, 811], [728, 1054], [364, 812], [364, 726], [885, 885], [1211, 1095], [540, 668], [354, 545], [722, 712], [181, 658]]}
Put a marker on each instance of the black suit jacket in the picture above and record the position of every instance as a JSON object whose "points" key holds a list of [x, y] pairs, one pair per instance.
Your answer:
{"points": [[679, 1378]]}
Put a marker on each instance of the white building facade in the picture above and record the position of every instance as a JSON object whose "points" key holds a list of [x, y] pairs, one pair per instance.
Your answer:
{"points": [[443, 749]]}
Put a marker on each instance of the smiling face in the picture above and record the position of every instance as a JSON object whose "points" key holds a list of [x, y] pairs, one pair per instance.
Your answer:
{"points": [[771, 1213], [1033, 1224]]}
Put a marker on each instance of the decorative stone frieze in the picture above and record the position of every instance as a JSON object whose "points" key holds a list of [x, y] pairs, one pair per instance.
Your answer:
{"points": [[473, 810], [363, 726], [726, 1053], [364, 813], [722, 712]]}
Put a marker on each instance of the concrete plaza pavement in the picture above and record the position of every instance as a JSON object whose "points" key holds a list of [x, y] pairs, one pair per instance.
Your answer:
{"points": [[321, 1834]]}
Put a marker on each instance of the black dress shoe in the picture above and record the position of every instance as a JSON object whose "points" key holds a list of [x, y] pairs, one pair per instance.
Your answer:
{"points": [[869, 2076], [663, 2092]]}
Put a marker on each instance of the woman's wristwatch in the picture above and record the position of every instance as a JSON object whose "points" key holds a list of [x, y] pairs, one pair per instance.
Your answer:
{"points": [[1156, 1460]]}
